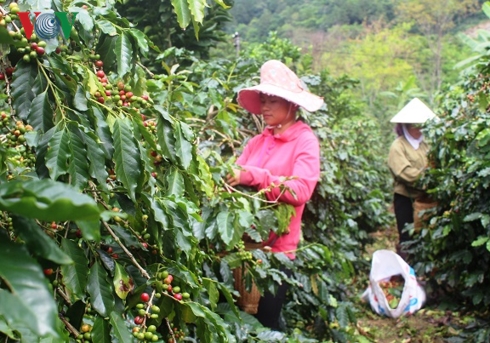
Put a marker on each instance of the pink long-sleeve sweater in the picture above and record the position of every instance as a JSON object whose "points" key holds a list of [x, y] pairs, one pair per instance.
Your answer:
{"points": [[268, 157]]}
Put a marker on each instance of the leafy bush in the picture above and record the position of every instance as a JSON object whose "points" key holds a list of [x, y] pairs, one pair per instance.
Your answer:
{"points": [[113, 197], [453, 248]]}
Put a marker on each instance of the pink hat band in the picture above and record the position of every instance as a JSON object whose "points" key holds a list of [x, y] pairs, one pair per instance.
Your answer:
{"points": [[277, 79]]}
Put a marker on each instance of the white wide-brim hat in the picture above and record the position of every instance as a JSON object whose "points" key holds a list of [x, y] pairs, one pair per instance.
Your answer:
{"points": [[277, 79], [415, 112]]}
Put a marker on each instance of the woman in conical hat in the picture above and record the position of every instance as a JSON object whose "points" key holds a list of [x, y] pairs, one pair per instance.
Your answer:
{"points": [[286, 152], [407, 160]]}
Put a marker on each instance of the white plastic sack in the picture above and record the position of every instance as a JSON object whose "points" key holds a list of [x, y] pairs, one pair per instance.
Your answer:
{"points": [[386, 264]]}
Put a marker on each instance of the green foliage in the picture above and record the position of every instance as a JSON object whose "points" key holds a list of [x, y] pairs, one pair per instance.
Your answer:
{"points": [[167, 26], [255, 19], [114, 202], [453, 245]]}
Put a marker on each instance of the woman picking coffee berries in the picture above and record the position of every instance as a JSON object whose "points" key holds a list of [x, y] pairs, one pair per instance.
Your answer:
{"points": [[286, 152]]}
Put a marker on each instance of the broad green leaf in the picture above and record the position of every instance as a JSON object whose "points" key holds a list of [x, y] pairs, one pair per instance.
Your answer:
{"points": [[80, 100], [75, 276], [41, 114], [38, 243], [222, 3], [214, 322], [126, 236], [213, 293], [101, 331], [197, 9], [182, 11], [106, 26], [100, 291], [229, 298], [119, 329], [245, 218], [141, 40], [85, 19], [41, 151], [175, 182], [124, 53], [103, 133], [106, 48], [183, 146], [95, 155], [24, 277], [165, 134], [22, 92], [225, 226], [58, 153], [22, 316], [123, 284], [90, 229], [78, 167], [47, 200], [126, 157], [480, 241], [472, 216], [4, 327], [196, 27]]}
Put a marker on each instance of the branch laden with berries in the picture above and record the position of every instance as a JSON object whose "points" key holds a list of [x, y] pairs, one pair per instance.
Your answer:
{"points": [[101, 188]]}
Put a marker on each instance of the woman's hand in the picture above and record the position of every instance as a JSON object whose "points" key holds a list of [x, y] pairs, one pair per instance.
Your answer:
{"points": [[234, 179]]}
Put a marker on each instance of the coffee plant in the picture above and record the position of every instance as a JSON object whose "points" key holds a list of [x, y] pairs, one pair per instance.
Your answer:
{"points": [[454, 247], [116, 223]]}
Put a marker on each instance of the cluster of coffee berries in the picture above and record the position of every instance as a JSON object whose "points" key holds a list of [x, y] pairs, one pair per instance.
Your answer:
{"points": [[177, 333], [242, 253], [85, 333], [119, 93], [7, 73], [32, 50], [147, 334], [6, 221], [12, 133], [9, 16], [145, 310], [165, 283]]}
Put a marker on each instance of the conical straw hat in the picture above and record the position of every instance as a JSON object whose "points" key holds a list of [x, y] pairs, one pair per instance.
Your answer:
{"points": [[415, 112]]}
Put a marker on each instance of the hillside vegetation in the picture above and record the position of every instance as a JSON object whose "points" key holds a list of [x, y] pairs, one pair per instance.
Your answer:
{"points": [[395, 49]]}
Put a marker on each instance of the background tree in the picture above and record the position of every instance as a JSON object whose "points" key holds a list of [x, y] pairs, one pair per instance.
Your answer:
{"points": [[434, 20]]}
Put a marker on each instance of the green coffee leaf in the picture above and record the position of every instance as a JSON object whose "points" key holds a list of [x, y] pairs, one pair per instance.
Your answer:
{"points": [[47, 200], [31, 301], [75, 276], [119, 329], [100, 291], [41, 113], [182, 11], [101, 332], [22, 91], [126, 156], [124, 53]]}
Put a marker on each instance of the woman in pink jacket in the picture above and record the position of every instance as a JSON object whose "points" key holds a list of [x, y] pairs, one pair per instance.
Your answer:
{"points": [[286, 152]]}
